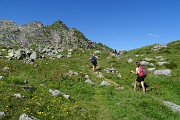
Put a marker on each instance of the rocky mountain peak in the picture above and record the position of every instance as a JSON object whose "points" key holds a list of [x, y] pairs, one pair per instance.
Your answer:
{"points": [[59, 25], [5, 24], [34, 24]]}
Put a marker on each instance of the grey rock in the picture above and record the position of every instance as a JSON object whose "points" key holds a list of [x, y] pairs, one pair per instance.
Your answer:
{"points": [[158, 47], [119, 75], [57, 92], [130, 60], [86, 76], [66, 96], [69, 56], [33, 55], [2, 114], [27, 117], [18, 95], [54, 92], [97, 52], [5, 69], [90, 82], [144, 63], [60, 56], [104, 83], [100, 74], [151, 69], [151, 64], [120, 88], [70, 50], [162, 63], [110, 70], [174, 107], [1, 77], [166, 72], [11, 53], [148, 59]]}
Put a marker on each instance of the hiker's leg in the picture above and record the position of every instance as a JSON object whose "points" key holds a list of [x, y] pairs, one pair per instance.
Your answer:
{"points": [[135, 83], [143, 88], [94, 68]]}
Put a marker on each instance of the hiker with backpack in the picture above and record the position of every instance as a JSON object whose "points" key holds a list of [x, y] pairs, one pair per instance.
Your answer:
{"points": [[141, 74], [93, 59]]}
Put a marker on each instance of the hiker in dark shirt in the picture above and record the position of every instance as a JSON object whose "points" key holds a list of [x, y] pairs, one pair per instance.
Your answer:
{"points": [[139, 77], [93, 59]]}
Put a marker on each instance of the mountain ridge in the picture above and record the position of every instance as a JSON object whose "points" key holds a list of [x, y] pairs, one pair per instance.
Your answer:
{"points": [[38, 34]]}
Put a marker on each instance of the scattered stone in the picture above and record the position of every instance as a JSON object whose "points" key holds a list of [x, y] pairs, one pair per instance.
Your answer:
{"points": [[110, 70], [151, 69], [120, 88], [70, 73], [89, 81], [97, 52], [162, 63], [18, 96], [130, 60], [174, 107], [54, 92], [66, 96], [10, 53], [29, 87], [144, 63], [57, 92], [25, 82], [75, 73], [119, 75], [5, 69], [104, 83], [33, 55], [148, 59], [151, 64], [159, 57], [70, 50], [86, 76], [1, 77], [27, 117], [158, 47], [166, 72], [99, 74], [2, 114], [60, 56]]}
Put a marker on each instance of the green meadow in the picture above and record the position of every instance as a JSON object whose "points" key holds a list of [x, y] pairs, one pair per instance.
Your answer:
{"points": [[91, 102]]}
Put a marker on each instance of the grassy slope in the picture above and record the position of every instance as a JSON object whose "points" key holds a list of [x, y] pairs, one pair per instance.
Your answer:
{"points": [[90, 102]]}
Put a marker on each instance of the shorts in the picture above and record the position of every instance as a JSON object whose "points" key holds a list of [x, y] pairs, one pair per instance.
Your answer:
{"points": [[94, 63], [139, 79]]}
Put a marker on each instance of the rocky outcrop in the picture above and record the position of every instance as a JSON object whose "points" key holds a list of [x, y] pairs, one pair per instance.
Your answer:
{"points": [[36, 34]]}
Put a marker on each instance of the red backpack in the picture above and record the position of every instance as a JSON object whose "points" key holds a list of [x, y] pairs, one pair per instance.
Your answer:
{"points": [[142, 71]]}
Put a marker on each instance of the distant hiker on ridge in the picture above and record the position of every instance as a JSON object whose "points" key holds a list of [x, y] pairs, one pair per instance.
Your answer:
{"points": [[93, 59], [141, 74]]}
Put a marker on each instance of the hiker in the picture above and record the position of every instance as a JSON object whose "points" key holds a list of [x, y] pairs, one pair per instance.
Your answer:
{"points": [[93, 59], [140, 76]]}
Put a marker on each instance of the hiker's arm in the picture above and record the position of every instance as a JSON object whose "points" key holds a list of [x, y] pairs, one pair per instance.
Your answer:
{"points": [[134, 72]]}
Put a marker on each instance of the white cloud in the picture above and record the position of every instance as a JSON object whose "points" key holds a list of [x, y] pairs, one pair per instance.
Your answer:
{"points": [[153, 35]]}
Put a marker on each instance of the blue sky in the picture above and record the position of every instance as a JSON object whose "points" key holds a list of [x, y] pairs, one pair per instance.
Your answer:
{"points": [[119, 24]]}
